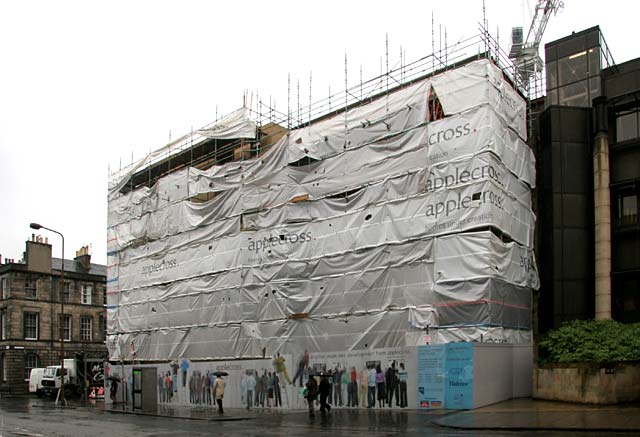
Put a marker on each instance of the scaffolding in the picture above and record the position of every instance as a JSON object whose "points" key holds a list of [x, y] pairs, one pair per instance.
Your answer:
{"points": [[197, 151]]}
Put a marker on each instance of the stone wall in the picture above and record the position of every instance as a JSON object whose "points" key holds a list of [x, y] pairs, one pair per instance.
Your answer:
{"points": [[585, 383]]}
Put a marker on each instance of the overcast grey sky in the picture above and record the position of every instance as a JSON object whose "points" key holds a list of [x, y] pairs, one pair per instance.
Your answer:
{"points": [[86, 84]]}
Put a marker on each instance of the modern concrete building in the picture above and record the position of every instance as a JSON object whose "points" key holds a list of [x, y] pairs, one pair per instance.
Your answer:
{"points": [[589, 182], [30, 296]]}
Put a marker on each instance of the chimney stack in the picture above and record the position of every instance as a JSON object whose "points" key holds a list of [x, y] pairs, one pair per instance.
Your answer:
{"points": [[38, 255], [83, 257]]}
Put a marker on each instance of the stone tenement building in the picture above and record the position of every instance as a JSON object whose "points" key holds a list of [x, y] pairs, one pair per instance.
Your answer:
{"points": [[30, 312]]}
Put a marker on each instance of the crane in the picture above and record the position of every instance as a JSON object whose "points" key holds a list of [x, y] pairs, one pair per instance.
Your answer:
{"points": [[525, 53]]}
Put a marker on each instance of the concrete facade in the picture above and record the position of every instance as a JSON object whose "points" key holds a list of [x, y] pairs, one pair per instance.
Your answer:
{"points": [[588, 153]]}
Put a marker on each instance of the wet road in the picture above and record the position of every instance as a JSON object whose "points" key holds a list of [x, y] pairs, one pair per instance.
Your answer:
{"points": [[36, 417]]}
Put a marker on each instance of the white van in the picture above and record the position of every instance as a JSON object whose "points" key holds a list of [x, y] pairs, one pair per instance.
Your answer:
{"points": [[35, 381]]}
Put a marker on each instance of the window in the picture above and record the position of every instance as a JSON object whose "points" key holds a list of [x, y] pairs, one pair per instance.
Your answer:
{"points": [[574, 80], [624, 200], [30, 288], [629, 208], [3, 325], [31, 326], [66, 291], [627, 126], [4, 288], [552, 75], [3, 368], [435, 107], [575, 94], [103, 326], [66, 327], [86, 328], [86, 291], [573, 68], [30, 362], [625, 299]]}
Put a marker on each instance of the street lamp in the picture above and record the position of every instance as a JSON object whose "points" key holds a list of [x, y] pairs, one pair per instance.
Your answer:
{"points": [[61, 390]]}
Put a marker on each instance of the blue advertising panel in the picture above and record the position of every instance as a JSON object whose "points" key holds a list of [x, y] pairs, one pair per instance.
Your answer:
{"points": [[431, 376], [459, 375]]}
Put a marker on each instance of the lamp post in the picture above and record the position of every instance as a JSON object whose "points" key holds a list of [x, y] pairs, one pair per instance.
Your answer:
{"points": [[60, 397]]}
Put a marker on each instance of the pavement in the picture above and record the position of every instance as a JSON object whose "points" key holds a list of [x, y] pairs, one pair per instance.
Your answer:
{"points": [[514, 415], [531, 414]]}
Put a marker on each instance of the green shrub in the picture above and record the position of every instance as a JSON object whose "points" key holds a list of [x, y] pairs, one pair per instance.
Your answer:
{"points": [[591, 341]]}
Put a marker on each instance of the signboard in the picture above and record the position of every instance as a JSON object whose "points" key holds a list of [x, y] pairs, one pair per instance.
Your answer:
{"points": [[458, 366], [431, 376]]}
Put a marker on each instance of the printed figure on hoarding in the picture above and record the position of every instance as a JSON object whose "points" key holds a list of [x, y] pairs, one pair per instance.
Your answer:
{"points": [[207, 388], [391, 385], [337, 385], [160, 387], [280, 367], [251, 387], [168, 386], [402, 378], [371, 387], [270, 389], [243, 387], [185, 367], [264, 382], [380, 387], [303, 364], [192, 389], [363, 379], [277, 393], [174, 376], [352, 388]]}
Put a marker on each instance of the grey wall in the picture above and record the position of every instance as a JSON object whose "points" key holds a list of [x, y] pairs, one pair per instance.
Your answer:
{"points": [[501, 372]]}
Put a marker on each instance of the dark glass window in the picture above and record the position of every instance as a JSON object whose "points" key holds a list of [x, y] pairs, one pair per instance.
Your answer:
{"points": [[594, 61], [552, 75], [626, 298], [627, 204], [627, 126], [572, 68], [575, 94]]}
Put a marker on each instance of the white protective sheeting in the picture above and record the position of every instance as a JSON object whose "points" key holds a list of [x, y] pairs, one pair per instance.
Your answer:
{"points": [[393, 231], [238, 124]]}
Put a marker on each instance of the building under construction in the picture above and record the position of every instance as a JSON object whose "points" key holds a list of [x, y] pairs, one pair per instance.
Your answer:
{"points": [[338, 237]]}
